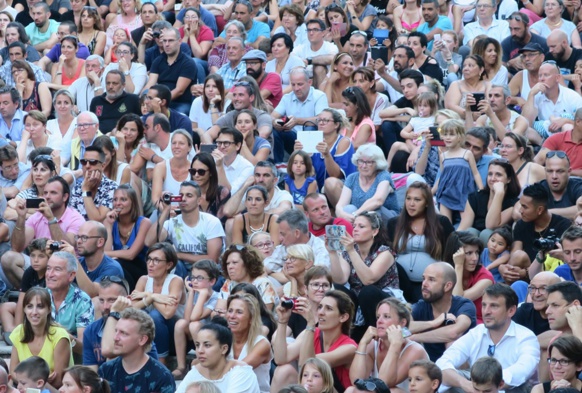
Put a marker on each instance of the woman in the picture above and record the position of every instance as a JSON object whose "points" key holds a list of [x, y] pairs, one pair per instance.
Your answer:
{"points": [[15, 32], [492, 207], [35, 95], [161, 294], [91, 32], [129, 136], [262, 242], [69, 68], [214, 196], [255, 219], [419, 234], [460, 92], [40, 335], [298, 260], [316, 376], [169, 174], [365, 79], [126, 232], [244, 319], [195, 34], [64, 127], [127, 18], [367, 264], [514, 148], [73, 14], [370, 188], [292, 24], [334, 16], [384, 352], [34, 135], [267, 319], [565, 361], [254, 148], [329, 341], [119, 35], [364, 13], [408, 17], [463, 250], [126, 61], [218, 56], [213, 348], [490, 51], [361, 128], [117, 171], [553, 20], [245, 264], [5, 19], [207, 108], [81, 379], [339, 80], [283, 60]]}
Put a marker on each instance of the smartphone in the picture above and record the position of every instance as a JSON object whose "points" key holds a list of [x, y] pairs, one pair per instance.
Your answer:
{"points": [[478, 97], [436, 137], [208, 147], [33, 203], [437, 37], [380, 52], [343, 28], [406, 332], [282, 121]]}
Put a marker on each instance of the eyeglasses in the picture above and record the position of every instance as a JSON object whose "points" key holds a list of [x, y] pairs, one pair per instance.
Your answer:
{"points": [[42, 157], [319, 286], [198, 278], [500, 160], [365, 163], [289, 259], [541, 290], [264, 245], [314, 30], [562, 362], [224, 143], [169, 41], [155, 261], [556, 153], [84, 162], [116, 280], [552, 62], [333, 6], [122, 52], [84, 238], [491, 350], [323, 121], [70, 37], [200, 172], [85, 125], [349, 90], [241, 83], [483, 6]]}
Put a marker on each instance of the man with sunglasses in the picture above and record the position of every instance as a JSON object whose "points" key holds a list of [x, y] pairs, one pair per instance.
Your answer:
{"points": [[520, 38], [531, 59]]}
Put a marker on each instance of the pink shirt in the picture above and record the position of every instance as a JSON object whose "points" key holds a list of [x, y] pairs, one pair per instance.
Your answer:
{"points": [[71, 221], [368, 121]]}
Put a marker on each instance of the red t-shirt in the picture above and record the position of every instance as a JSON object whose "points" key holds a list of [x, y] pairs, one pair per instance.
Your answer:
{"points": [[205, 34], [478, 275], [336, 221], [342, 372], [272, 82], [563, 141]]}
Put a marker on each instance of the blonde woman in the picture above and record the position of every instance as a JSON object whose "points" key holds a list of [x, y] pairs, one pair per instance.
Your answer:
{"points": [[127, 18], [299, 259]]}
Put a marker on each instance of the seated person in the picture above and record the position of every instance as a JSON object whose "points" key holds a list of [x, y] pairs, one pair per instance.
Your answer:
{"points": [[33, 371]]}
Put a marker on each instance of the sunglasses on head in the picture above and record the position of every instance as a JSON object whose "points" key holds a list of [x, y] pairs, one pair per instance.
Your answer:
{"points": [[116, 280], [556, 153]]}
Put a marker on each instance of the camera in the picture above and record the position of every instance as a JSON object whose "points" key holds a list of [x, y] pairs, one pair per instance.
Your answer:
{"points": [[167, 198], [547, 243], [156, 34], [288, 303], [54, 246]]}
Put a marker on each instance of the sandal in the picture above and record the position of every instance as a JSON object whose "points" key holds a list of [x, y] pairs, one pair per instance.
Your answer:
{"points": [[179, 374]]}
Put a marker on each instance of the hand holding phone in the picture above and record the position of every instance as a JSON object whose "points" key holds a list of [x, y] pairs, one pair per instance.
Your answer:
{"points": [[33, 203]]}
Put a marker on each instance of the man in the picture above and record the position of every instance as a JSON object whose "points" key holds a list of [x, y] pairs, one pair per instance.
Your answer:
{"points": [[561, 52], [71, 307], [43, 32], [532, 314], [54, 220], [151, 46], [66, 28], [536, 222], [13, 173], [174, 69], [265, 175], [520, 37], [92, 194], [233, 169], [571, 246], [149, 15], [433, 22], [563, 298], [235, 68], [114, 103], [497, 115], [158, 100], [300, 106], [256, 31], [195, 234], [25, 16], [12, 117], [569, 142], [551, 103], [514, 346], [318, 53], [136, 75], [89, 86], [486, 24], [358, 46], [269, 82], [88, 130], [133, 369], [477, 140], [403, 59], [317, 210], [17, 51], [294, 229], [531, 57], [440, 317]]}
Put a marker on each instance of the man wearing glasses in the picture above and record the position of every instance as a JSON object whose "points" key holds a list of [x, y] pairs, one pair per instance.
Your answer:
{"points": [[486, 24], [530, 58], [233, 169], [532, 314]]}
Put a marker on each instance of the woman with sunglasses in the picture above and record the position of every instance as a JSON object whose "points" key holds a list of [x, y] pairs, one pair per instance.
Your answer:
{"points": [[255, 219], [339, 79], [214, 196], [70, 68], [361, 128], [492, 207], [261, 240], [515, 149], [283, 60], [35, 135], [35, 95], [90, 31], [554, 20], [565, 362], [161, 294], [64, 126]]}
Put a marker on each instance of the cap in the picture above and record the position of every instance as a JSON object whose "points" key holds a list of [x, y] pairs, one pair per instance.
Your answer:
{"points": [[255, 54], [371, 385], [532, 47]]}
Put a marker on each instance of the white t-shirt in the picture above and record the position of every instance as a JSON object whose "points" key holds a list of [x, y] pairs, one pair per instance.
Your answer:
{"points": [[239, 379], [197, 114], [305, 52], [52, 127], [238, 172], [193, 240], [262, 371]]}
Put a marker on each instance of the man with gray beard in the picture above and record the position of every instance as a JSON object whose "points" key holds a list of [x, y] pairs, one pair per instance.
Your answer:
{"points": [[114, 103]]}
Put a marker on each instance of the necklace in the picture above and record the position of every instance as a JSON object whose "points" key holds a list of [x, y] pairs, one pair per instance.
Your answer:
{"points": [[253, 230], [554, 25]]}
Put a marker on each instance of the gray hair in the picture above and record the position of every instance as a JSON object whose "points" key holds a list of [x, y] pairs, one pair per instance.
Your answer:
{"points": [[185, 133], [300, 70], [161, 25], [239, 39], [93, 116], [505, 88], [70, 258], [205, 387], [246, 4], [268, 164], [42, 5], [296, 219], [177, 32], [98, 58], [240, 27], [374, 152]]}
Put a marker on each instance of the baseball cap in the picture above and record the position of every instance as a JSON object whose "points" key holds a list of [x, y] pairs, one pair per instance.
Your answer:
{"points": [[532, 47], [255, 54]]}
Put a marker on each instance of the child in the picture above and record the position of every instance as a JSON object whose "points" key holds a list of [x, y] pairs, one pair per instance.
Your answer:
{"points": [[424, 377], [487, 375], [427, 108], [11, 313], [300, 180], [443, 51], [32, 373], [200, 303], [497, 251], [459, 172]]}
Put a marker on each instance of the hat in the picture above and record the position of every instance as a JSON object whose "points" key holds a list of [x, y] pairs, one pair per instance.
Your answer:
{"points": [[371, 385], [532, 47], [255, 54]]}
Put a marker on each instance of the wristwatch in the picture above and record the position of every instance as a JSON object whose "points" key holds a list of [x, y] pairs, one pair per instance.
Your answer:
{"points": [[309, 61], [97, 88], [87, 194], [126, 73], [53, 221], [115, 314]]}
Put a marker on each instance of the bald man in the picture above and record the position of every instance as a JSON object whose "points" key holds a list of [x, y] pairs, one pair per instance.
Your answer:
{"points": [[561, 52], [532, 314], [440, 318]]}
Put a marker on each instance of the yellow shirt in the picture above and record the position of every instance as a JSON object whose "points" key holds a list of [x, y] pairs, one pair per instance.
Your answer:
{"points": [[47, 352]]}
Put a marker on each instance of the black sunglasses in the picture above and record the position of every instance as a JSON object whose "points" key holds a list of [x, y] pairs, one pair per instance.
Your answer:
{"points": [[194, 171], [116, 280], [491, 350], [362, 384], [84, 162]]}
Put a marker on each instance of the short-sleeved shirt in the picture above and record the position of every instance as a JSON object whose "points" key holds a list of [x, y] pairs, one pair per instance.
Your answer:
{"points": [[511, 47], [70, 222], [14, 133], [109, 113], [104, 195], [499, 30], [207, 17], [227, 120], [443, 23], [23, 172], [272, 83], [30, 279], [258, 29], [566, 66], [478, 202], [193, 240], [76, 311], [571, 194], [359, 196], [55, 53], [563, 141], [342, 372], [107, 267], [152, 377], [305, 51], [153, 53], [313, 105], [480, 273], [568, 102], [565, 272], [525, 232], [526, 315], [38, 37], [168, 75]]}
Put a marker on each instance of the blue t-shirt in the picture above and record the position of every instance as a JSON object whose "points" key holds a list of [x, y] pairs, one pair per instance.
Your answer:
{"points": [[153, 377], [107, 267], [443, 23], [55, 52], [259, 29], [117, 245], [485, 261], [565, 272], [154, 52], [344, 161], [359, 196]]}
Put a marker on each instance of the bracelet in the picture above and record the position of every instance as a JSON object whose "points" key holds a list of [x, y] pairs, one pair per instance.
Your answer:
{"points": [[59, 73], [310, 328], [19, 228], [361, 353]]}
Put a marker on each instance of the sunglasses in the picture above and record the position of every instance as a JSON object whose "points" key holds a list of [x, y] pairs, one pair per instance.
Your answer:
{"points": [[84, 162], [116, 280], [200, 172], [556, 153], [368, 386], [241, 83], [42, 157], [517, 18], [491, 350]]}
